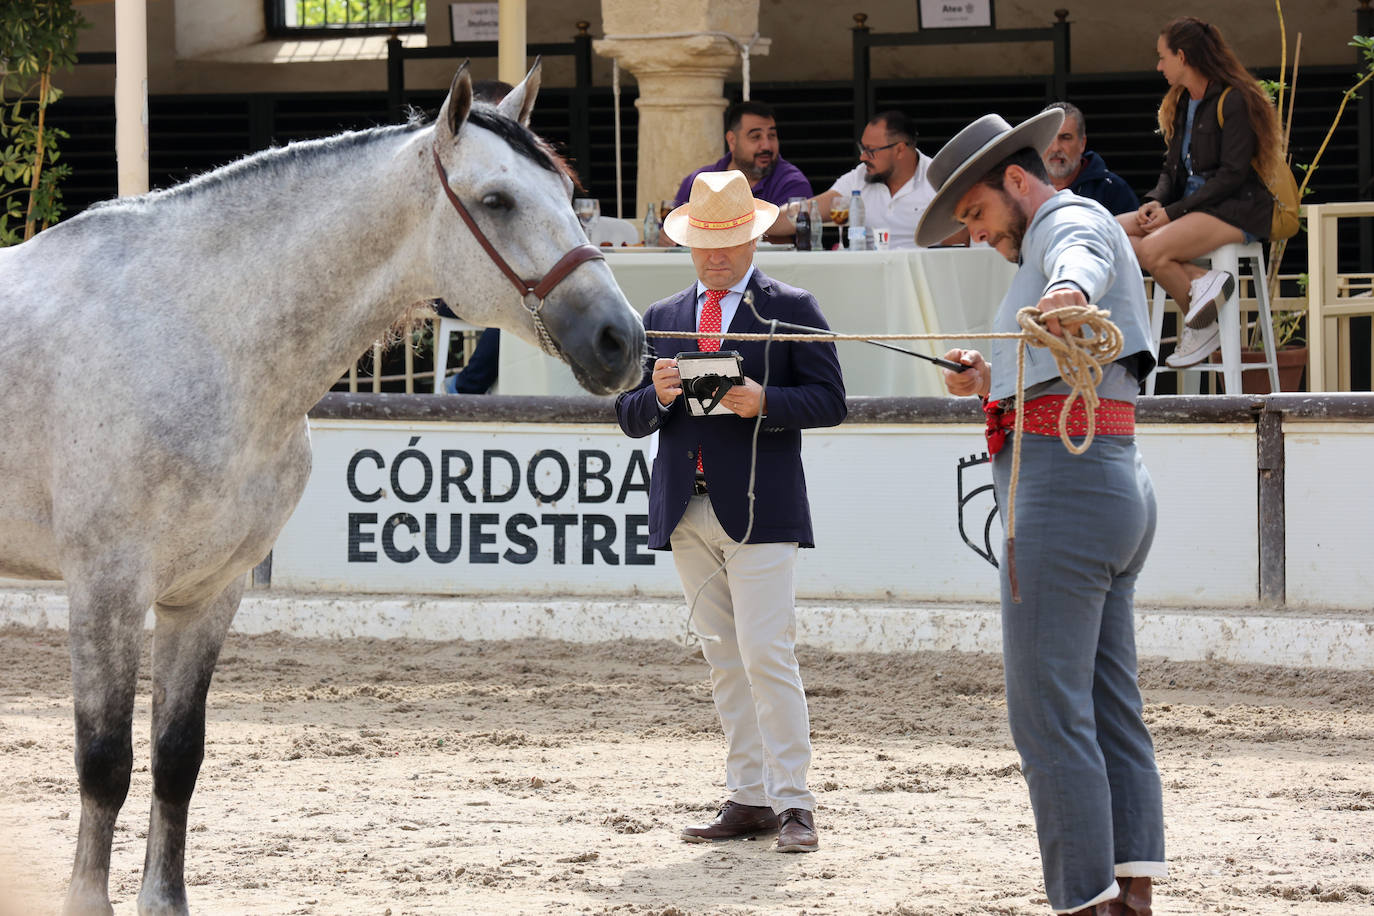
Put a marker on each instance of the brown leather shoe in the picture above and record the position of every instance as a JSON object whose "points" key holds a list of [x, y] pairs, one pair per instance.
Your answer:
{"points": [[733, 822], [1132, 900], [1135, 896], [797, 832]]}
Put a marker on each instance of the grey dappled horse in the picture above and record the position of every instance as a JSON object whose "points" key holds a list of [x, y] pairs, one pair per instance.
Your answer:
{"points": [[159, 355]]}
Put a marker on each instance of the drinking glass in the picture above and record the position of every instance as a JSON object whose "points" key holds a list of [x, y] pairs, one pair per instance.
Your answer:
{"points": [[587, 210], [839, 211], [664, 208]]}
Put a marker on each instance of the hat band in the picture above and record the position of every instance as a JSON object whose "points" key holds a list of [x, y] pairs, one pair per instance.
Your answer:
{"points": [[720, 224]]}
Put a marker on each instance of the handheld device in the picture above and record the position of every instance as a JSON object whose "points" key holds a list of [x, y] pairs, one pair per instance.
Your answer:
{"points": [[706, 377]]}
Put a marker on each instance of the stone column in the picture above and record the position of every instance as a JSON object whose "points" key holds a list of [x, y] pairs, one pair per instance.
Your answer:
{"points": [[681, 81]]}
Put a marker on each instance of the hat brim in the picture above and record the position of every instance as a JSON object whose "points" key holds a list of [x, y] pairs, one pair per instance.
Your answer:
{"points": [[677, 227], [937, 222]]}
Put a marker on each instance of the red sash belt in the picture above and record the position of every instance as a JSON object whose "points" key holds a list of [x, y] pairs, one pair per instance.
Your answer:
{"points": [[1113, 418]]}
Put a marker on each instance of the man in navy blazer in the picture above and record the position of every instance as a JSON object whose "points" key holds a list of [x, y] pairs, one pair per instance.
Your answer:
{"points": [[737, 559]]}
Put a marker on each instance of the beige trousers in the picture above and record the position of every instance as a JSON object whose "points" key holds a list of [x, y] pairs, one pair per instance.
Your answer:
{"points": [[748, 615]]}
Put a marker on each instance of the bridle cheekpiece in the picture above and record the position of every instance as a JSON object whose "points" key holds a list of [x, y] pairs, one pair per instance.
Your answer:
{"points": [[532, 292]]}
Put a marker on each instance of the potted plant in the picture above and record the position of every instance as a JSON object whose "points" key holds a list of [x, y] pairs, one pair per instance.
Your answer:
{"points": [[1287, 323]]}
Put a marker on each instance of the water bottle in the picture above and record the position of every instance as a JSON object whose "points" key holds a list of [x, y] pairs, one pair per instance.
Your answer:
{"points": [[651, 225], [803, 223], [858, 236], [817, 230]]}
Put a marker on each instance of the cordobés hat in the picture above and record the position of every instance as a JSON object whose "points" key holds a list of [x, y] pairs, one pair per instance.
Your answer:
{"points": [[721, 213], [966, 158]]}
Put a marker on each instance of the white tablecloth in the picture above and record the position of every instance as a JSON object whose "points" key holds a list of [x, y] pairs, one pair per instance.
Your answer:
{"points": [[925, 291]]}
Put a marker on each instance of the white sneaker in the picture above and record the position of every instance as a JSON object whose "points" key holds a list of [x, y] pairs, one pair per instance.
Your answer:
{"points": [[1194, 346], [1204, 294]]}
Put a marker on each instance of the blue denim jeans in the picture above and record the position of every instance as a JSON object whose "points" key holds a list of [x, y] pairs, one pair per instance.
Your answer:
{"points": [[1084, 525]]}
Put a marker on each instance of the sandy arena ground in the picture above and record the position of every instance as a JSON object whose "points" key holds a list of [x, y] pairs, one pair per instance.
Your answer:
{"points": [[394, 777]]}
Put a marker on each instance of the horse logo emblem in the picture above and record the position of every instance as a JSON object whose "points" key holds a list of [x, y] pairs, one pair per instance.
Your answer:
{"points": [[977, 506]]}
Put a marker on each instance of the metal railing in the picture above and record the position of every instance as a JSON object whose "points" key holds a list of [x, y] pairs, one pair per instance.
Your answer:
{"points": [[865, 40]]}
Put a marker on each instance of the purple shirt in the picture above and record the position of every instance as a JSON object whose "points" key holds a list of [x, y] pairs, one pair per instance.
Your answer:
{"points": [[784, 182]]}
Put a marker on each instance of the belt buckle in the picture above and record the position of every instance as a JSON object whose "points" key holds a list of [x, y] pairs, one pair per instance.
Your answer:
{"points": [[699, 486]]}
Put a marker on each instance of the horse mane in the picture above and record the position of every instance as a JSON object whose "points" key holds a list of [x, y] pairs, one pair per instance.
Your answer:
{"points": [[523, 140], [278, 158]]}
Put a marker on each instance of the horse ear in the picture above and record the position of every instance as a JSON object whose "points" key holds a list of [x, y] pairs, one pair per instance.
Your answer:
{"points": [[454, 111], [518, 104]]}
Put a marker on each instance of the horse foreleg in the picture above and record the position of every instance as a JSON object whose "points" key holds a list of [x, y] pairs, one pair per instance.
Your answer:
{"points": [[186, 645], [106, 638]]}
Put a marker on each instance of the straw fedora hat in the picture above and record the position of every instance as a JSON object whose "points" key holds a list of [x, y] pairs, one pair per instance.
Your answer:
{"points": [[721, 213], [966, 158]]}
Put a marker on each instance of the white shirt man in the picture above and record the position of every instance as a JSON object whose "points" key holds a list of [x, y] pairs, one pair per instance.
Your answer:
{"points": [[896, 211], [890, 179]]}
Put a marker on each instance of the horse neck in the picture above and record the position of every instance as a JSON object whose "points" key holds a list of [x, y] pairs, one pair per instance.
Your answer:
{"points": [[342, 255]]}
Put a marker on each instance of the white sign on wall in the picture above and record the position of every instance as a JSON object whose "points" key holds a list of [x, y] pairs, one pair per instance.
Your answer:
{"points": [[954, 14], [900, 513], [474, 21]]}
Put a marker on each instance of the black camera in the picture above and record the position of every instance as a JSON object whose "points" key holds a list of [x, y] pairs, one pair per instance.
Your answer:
{"points": [[707, 387], [707, 377]]}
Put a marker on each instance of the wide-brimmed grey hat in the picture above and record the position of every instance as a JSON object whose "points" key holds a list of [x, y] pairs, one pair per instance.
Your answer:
{"points": [[968, 156]]}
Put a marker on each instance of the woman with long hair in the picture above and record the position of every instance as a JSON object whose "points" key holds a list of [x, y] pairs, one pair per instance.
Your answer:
{"points": [[1222, 135]]}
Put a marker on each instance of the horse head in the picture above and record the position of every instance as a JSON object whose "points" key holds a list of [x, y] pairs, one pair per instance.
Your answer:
{"points": [[506, 192]]}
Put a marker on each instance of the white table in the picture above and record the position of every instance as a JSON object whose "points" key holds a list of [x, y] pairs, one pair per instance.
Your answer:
{"points": [[924, 291]]}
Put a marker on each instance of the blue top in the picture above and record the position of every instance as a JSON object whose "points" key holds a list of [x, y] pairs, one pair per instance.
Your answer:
{"points": [[1106, 187]]}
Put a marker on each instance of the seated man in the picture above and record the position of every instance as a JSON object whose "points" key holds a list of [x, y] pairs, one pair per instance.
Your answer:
{"points": [[751, 134], [1072, 165], [890, 179]]}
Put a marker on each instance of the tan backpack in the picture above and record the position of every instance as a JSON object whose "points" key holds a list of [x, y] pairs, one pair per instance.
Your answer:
{"points": [[1282, 187]]}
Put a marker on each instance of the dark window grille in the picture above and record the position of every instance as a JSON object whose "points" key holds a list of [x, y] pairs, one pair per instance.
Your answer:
{"points": [[329, 17]]}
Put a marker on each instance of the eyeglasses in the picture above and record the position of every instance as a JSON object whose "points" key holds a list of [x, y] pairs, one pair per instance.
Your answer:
{"points": [[870, 151]]}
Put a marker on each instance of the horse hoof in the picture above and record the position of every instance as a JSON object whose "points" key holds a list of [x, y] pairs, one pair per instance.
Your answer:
{"points": [[163, 906], [81, 903]]}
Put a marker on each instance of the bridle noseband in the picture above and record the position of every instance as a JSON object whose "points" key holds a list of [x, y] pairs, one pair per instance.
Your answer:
{"points": [[532, 292]]}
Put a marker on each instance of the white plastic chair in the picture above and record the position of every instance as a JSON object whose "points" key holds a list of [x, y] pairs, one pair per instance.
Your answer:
{"points": [[444, 328], [1228, 258], [614, 230]]}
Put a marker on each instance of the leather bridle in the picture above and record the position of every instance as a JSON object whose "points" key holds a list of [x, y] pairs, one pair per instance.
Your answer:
{"points": [[532, 292]]}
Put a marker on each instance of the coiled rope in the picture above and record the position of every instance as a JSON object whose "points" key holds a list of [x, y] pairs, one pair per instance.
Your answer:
{"points": [[1091, 340]]}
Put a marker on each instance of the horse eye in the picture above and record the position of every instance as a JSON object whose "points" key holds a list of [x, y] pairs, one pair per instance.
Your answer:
{"points": [[498, 201]]}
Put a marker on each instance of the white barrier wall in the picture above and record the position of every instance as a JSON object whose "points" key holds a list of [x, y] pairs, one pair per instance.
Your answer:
{"points": [[525, 509], [1329, 514]]}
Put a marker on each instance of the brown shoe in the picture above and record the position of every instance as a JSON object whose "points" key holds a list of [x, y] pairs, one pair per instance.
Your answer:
{"points": [[735, 821], [798, 831], [1135, 896], [1132, 900]]}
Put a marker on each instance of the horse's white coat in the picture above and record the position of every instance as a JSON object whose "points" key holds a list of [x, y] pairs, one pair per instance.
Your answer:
{"points": [[159, 356]]}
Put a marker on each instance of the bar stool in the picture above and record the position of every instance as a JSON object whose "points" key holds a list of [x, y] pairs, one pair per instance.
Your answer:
{"points": [[1227, 258]]}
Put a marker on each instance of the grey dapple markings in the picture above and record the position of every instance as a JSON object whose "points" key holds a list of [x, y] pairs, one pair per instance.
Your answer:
{"points": [[159, 356]]}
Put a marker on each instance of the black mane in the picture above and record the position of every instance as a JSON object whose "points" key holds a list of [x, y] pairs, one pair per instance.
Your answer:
{"points": [[519, 137]]}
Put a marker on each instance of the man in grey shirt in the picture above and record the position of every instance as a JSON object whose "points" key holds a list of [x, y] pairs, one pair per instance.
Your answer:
{"points": [[1084, 523]]}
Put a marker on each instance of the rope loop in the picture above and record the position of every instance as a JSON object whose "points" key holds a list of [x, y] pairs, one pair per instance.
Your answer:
{"points": [[1090, 342]]}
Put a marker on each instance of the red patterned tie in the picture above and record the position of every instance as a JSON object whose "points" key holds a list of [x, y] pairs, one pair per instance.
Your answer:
{"points": [[710, 320], [710, 324]]}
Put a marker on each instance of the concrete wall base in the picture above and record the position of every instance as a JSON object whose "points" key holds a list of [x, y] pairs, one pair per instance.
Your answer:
{"points": [[1341, 641]]}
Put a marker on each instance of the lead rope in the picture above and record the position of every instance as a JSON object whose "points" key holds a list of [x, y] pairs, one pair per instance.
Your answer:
{"points": [[1079, 359]]}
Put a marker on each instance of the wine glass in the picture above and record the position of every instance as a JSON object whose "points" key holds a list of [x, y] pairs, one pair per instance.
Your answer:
{"points": [[839, 211], [587, 210]]}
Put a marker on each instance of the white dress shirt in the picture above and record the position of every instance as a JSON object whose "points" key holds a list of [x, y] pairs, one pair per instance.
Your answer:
{"points": [[729, 303], [897, 213]]}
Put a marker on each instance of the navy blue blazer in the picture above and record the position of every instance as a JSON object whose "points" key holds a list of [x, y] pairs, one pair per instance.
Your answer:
{"points": [[805, 389]]}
